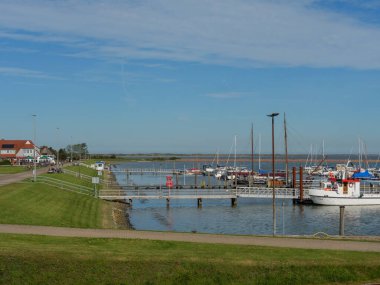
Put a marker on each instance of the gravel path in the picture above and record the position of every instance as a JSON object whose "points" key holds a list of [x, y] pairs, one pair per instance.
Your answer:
{"points": [[288, 242]]}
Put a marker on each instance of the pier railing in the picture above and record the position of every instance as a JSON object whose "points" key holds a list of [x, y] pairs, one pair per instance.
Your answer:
{"points": [[199, 193], [165, 193], [265, 192], [147, 170]]}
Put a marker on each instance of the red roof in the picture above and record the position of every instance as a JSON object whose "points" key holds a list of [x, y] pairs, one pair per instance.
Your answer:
{"points": [[14, 145]]}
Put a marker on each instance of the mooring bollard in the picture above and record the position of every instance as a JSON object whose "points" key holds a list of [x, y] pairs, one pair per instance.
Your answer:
{"points": [[301, 185], [341, 221], [199, 202]]}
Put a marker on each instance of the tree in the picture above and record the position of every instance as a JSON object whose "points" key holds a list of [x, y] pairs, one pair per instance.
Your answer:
{"points": [[78, 151], [62, 154]]}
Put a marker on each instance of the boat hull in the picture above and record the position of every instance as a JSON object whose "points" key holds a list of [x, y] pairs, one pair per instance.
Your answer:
{"points": [[345, 201]]}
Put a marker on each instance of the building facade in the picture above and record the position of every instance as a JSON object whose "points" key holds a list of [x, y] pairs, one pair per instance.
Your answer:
{"points": [[18, 151]]}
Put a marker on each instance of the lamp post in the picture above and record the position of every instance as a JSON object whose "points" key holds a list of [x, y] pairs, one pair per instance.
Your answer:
{"points": [[273, 175], [71, 149], [58, 149], [34, 149]]}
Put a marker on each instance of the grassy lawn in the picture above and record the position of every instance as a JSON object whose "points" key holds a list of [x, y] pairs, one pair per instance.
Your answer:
{"points": [[82, 169], [39, 204], [57, 260], [70, 178], [7, 169]]}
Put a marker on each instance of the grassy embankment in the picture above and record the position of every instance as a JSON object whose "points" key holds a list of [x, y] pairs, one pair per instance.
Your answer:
{"points": [[55, 260], [8, 169], [40, 204]]}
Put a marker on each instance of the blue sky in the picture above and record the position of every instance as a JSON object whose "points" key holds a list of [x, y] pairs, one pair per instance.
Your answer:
{"points": [[187, 76]]}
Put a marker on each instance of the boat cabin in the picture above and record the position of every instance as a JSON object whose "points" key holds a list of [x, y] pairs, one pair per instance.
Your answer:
{"points": [[349, 187]]}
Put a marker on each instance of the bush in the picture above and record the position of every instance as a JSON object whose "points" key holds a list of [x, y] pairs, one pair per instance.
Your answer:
{"points": [[5, 162]]}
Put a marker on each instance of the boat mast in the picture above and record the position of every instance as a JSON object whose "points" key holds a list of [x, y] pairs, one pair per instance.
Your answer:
{"points": [[252, 148], [235, 154], [323, 152], [286, 150], [260, 152], [360, 158]]}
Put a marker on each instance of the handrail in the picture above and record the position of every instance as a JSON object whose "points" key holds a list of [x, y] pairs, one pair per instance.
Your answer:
{"points": [[66, 185], [147, 170], [80, 175]]}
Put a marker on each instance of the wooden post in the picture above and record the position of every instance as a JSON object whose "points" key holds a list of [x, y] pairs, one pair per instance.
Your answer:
{"points": [[176, 180], [209, 180], [233, 202], [301, 184], [199, 202], [341, 221], [195, 181]]}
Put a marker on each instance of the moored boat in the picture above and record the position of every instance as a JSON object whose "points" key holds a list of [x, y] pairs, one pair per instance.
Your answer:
{"points": [[345, 192]]}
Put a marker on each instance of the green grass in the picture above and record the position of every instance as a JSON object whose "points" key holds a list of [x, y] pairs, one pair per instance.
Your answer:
{"points": [[69, 178], [82, 169], [7, 169], [39, 204], [58, 260]]}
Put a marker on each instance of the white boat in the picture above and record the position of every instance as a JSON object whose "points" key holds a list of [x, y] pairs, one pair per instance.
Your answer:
{"points": [[345, 192]]}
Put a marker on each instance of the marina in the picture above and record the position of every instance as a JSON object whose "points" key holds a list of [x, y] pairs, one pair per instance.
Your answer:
{"points": [[203, 203]]}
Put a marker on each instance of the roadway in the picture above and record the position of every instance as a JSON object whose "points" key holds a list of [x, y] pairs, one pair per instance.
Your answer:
{"points": [[16, 177]]}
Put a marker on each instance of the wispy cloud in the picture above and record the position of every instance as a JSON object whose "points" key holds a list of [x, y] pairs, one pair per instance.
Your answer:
{"points": [[254, 33], [26, 73]]}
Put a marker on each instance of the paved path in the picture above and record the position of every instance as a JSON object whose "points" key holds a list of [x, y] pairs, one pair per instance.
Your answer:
{"points": [[16, 177], [306, 243]]}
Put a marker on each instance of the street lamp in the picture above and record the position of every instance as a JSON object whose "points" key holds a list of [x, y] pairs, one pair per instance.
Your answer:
{"points": [[273, 174], [71, 149], [34, 149], [58, 149]]}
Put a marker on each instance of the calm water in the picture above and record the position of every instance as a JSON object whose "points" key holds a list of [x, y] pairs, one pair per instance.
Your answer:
{"points": [[251, 216]]}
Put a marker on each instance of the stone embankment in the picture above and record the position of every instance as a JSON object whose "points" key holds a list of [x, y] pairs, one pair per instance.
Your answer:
{"points": [[120, 215]]}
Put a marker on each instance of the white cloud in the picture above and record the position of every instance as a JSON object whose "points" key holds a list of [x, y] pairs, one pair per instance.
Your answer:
{"points": [[233, 32], [27, 73]]}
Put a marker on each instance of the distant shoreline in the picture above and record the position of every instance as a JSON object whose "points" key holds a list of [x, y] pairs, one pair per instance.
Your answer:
{"points": [[292, 160]]}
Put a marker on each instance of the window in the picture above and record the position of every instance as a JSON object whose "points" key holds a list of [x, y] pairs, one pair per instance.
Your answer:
{"points": [[8, 146]]}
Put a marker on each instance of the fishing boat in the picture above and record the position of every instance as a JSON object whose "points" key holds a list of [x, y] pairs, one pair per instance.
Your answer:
{"points": [[345, 192]]}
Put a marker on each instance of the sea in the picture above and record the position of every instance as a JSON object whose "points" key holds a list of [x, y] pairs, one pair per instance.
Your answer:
{"points": [[251, 216]]}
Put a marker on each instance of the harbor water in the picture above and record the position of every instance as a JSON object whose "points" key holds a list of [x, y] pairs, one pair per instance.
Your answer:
{"points": [[250, 216]]}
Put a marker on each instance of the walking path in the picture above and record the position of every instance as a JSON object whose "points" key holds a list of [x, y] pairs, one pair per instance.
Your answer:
{"points": [[16, 177], [288, 242]]}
